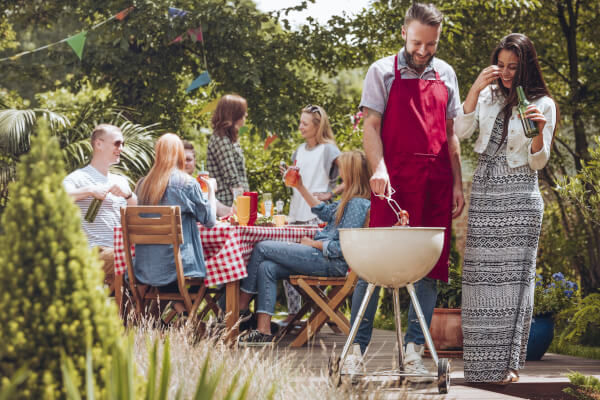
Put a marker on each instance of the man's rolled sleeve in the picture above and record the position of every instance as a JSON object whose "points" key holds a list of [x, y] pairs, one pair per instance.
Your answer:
{"points": [[374, 94]]}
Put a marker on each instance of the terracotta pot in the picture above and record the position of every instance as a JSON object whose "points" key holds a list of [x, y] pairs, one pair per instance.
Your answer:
{"points": [[446, 329]]}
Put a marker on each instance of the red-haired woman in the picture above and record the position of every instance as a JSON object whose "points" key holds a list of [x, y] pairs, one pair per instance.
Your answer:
{"points": [[167, 183]]}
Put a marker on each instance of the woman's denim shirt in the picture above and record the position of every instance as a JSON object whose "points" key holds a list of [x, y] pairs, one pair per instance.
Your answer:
{"points": [[155, 264], [353, 217]]}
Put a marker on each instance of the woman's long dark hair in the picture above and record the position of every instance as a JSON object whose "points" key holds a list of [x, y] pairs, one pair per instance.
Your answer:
{"points": [[529, 75]]}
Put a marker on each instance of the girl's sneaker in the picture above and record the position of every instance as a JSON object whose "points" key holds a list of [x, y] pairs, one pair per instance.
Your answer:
{"points": [[256, 338]]}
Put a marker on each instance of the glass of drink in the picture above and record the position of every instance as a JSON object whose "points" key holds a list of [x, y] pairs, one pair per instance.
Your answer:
{"points": [[267, 204], [243, 209], [279, 220], [291, 176], [279, 206]]}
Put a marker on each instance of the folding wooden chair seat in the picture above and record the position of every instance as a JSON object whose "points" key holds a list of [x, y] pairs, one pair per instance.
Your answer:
{"points": [[325, 304], [163, 227]]}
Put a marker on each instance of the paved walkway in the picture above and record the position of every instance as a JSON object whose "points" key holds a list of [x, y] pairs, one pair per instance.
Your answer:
{"points": [[543, 379]]}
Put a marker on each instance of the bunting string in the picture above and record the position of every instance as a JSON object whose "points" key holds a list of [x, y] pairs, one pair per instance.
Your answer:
{"points": [[71, 39]]}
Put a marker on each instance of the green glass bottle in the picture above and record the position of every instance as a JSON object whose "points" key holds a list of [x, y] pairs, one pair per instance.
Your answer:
{"points": [[529, 127]]}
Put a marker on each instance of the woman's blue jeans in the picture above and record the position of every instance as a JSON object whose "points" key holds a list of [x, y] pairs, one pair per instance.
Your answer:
{"points": [[426, 290], [273, 260]]}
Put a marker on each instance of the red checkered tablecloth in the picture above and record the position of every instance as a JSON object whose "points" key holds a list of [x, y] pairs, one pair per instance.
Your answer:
{"points": [[227, 249]]}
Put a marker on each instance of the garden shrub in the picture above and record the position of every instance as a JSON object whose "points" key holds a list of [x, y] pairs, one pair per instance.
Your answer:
{"points": [[51, 285]]}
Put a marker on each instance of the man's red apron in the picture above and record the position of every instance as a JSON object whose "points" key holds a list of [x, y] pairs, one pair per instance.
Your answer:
{"points": [[415, 151]]}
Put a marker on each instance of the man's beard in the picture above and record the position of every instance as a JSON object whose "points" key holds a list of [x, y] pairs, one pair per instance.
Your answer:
{"points": [[411, 61]]}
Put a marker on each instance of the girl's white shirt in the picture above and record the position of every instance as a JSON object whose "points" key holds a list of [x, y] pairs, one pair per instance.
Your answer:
{"points": [[518, 150]]}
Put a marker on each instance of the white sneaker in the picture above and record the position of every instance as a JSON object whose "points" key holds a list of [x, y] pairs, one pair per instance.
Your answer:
{"points": [[413, 364], [354, 364]]}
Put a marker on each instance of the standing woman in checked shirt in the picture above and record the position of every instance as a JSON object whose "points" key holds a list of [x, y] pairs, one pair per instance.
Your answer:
{"points": [[224, 156]]}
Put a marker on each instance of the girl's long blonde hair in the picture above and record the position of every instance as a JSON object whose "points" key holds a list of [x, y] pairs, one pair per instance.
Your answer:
{"points": [[169, 155], [355, 173], [321, 121]]}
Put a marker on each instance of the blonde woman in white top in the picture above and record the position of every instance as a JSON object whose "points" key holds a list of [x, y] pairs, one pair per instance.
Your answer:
{"points": [[316, 158], [505, 212]]}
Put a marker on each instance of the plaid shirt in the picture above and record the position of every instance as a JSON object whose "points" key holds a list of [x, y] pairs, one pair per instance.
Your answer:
{"points": [[225, 162]]}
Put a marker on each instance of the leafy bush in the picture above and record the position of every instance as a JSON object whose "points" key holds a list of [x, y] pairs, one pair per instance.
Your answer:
{"points": [[52, 296], [586, 387], [554, 295], [581, 317]]}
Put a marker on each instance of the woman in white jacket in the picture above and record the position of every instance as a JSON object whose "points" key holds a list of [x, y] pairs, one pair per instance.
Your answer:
{"points": [[505, 212]]}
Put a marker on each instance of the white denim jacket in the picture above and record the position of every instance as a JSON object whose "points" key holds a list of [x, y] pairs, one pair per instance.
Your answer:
{"points": [[518, 149]]}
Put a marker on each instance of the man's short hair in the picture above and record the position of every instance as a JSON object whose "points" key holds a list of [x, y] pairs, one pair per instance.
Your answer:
{"points": [[187, 145], [101, 130], [427, 14]]}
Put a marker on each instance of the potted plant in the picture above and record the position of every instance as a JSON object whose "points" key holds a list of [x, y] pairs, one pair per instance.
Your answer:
{"points": [[550, 297], [446, 323]]}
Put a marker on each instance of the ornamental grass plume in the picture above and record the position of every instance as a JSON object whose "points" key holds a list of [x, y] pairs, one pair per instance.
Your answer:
{"points": [[51, 288]]}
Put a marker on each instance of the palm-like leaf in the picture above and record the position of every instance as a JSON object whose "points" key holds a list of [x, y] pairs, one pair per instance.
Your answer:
{"points": [[16, 127]]}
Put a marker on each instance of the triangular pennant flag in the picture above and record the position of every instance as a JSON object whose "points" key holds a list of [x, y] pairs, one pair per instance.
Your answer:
{"points": [[176, 12], [76, 42], [176, 40], [122, 14], [196, 34], [210, 107], [270, 140], [202, 80]]}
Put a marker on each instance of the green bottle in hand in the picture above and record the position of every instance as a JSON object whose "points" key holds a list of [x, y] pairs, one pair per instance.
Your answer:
{"points": [[529, 127]]}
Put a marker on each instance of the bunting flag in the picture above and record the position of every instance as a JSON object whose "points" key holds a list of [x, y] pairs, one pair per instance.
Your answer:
{"points": [[270, 139], [202, 80], [210, 107], [176, 12], [195, 34], [77, 42], [122, 14]]}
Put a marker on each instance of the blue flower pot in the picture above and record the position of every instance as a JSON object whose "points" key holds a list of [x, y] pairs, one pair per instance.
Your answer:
{"points": [[540, 336]]}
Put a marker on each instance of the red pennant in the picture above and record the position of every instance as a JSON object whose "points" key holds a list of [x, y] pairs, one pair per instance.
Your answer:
{"points": [[177, 39], [122, 14], [270, 140], [197, 33]]}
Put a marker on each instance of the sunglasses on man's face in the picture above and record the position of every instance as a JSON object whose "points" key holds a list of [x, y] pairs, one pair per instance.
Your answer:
{"points": [[117, 143], [312, 109]]}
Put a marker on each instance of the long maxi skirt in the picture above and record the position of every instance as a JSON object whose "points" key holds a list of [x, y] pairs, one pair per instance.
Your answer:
{"points": [[505, 218]]}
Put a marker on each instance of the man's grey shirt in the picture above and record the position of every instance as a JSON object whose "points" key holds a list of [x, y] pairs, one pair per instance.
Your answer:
{"points": [[380, 76]]}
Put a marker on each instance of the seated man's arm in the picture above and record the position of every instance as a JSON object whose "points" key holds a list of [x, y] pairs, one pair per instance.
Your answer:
{"points": [[79, 193]]}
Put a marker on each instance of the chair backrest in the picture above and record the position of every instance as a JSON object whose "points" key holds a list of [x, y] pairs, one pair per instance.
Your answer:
{"points": [[151, 225]]}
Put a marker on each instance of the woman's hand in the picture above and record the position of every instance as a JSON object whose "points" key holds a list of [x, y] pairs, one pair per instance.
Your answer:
{"points": [[323, 196], [307, 241], [485, 78], [533, 113]]}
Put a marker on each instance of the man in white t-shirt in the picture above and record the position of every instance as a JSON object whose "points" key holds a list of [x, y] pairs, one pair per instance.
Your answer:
{"points": [[95, 181]]}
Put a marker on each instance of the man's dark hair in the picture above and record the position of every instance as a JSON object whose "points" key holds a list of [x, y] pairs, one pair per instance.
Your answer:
{"points": [[187, 145], [427, 14]]}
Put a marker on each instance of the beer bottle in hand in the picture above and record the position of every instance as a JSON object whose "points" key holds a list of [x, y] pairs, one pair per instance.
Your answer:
{"points": [[529, 127]]}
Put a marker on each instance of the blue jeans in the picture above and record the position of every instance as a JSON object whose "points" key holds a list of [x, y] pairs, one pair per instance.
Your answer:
{"points": [[426, 290], [273, 260]]}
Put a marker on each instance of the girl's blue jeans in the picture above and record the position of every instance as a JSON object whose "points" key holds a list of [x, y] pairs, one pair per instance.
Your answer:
{"points": [[274, 260], [426, 290]]}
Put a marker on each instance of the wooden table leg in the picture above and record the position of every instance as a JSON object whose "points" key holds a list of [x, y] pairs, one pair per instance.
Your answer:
{"points": [[232, 293], [118, 285]]}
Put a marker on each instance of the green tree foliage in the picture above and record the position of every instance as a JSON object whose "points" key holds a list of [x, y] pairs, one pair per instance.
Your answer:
{"points": [[246, 51], [52, 296]]}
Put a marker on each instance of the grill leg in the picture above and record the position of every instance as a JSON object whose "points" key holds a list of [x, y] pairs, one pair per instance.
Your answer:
{"points": [[397, 315], [357, 321], [421, 317]]}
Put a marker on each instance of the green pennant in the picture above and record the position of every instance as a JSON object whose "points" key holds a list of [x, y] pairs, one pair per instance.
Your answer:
{"points": [[76, 42]]}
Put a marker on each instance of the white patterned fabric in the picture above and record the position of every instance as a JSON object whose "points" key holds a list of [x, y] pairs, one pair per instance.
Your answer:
{"points": [[505, 217]]}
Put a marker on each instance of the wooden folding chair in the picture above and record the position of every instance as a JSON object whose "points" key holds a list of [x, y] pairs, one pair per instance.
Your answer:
{"points": [[161, 225], [325, 305]]}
